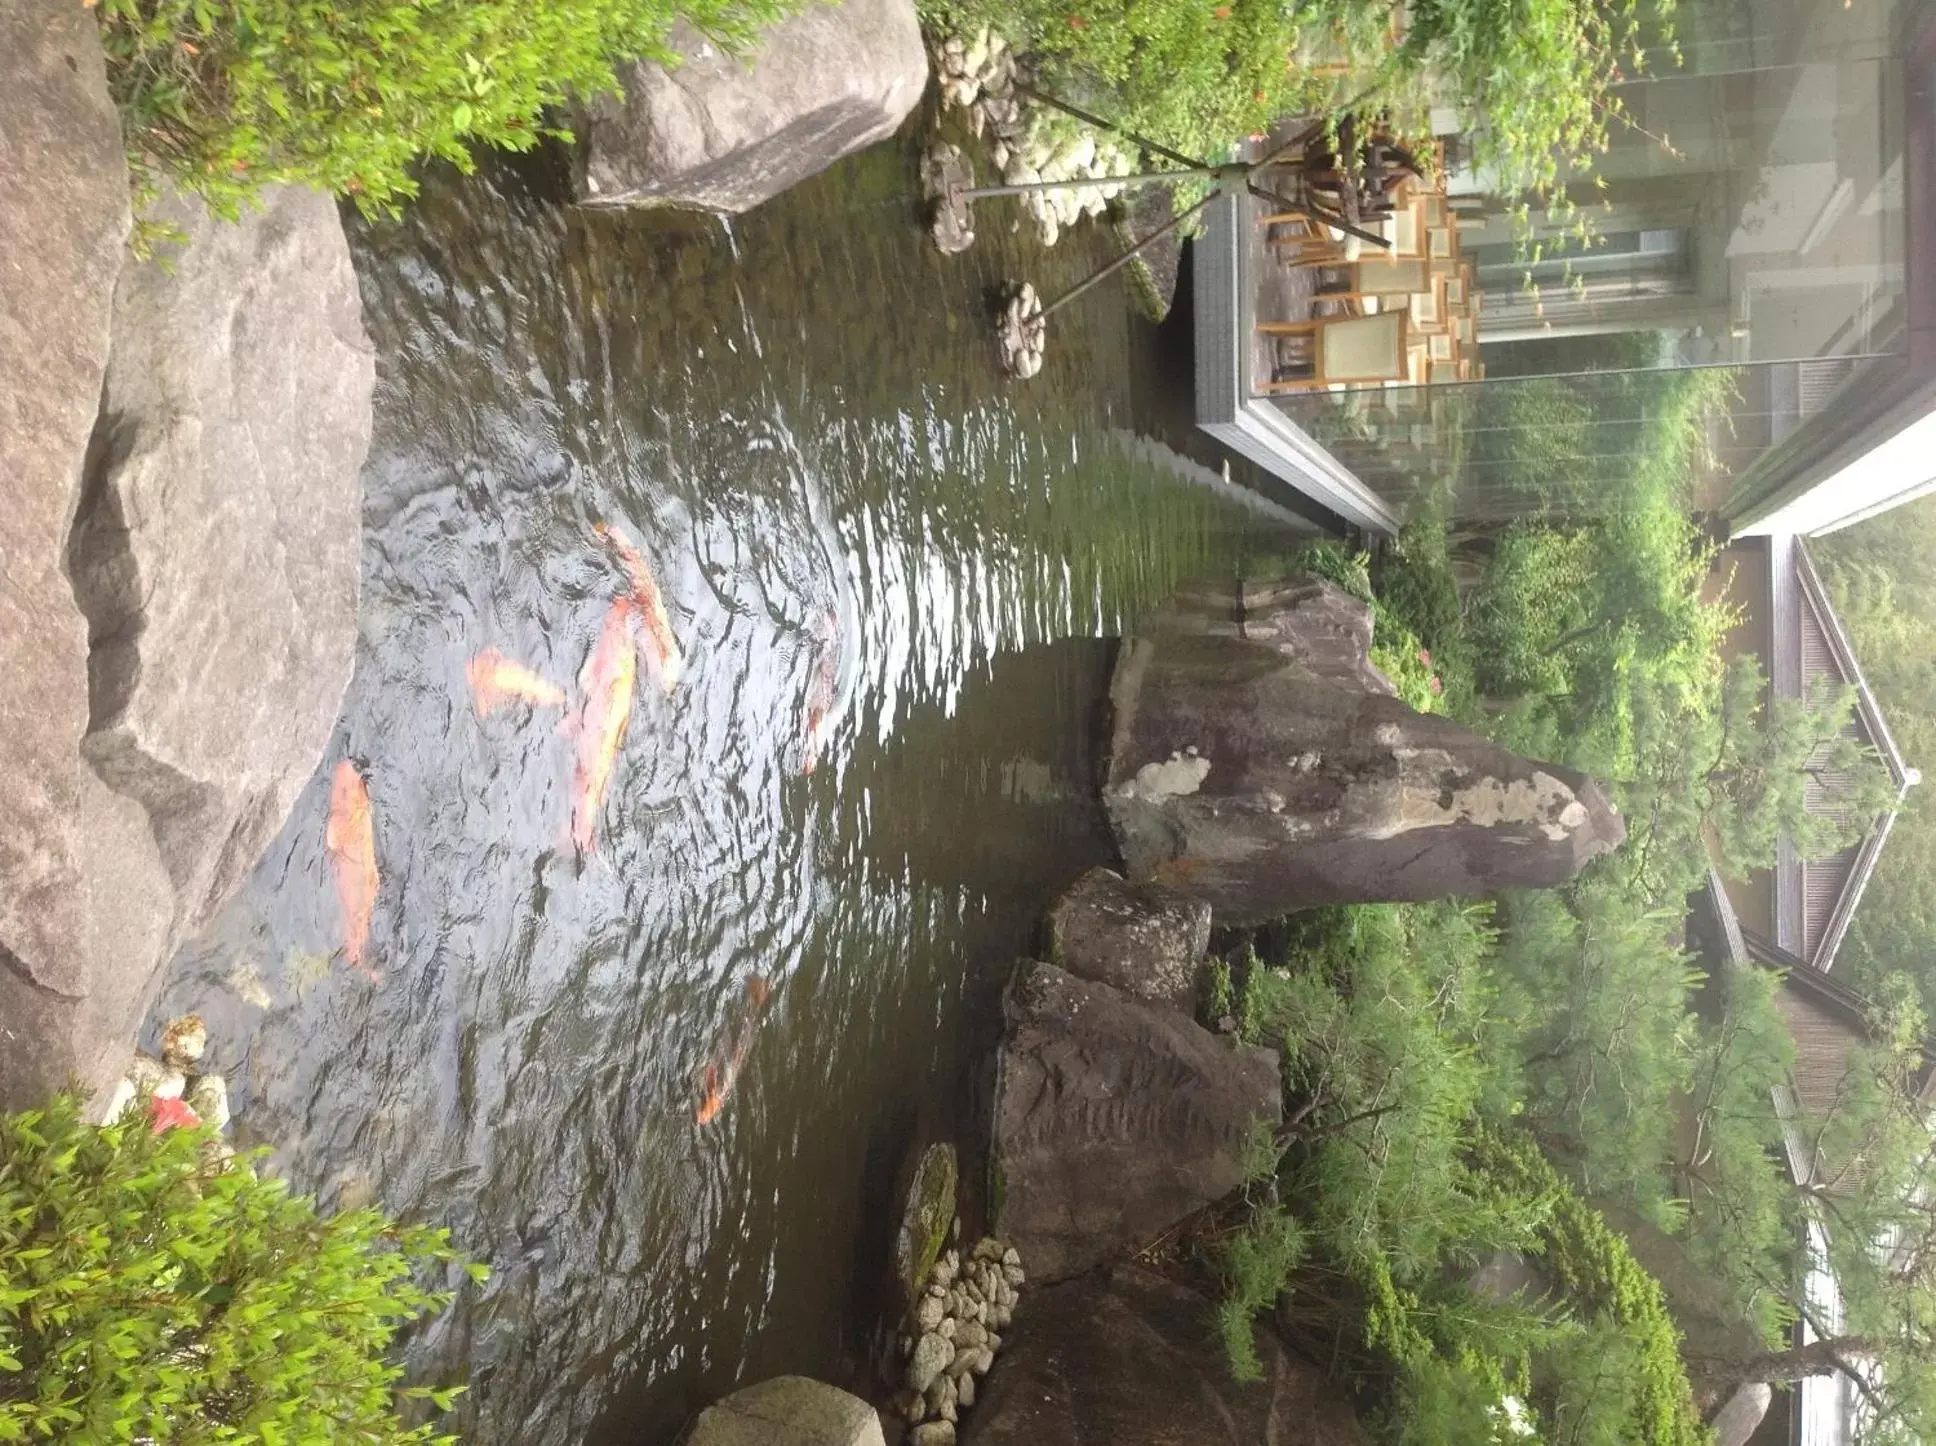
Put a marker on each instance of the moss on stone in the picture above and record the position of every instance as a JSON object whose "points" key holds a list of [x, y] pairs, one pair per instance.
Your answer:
{"points": [[925, 1219]]}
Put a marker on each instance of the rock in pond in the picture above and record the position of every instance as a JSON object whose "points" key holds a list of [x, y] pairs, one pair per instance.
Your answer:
{"points": [[945, 173], [929, 1207], [787, 1411], [1249, 778], [1153, 274], [1114, 1119], [183, 533], [1110, 931], [1132, 1358], [722, 132]]}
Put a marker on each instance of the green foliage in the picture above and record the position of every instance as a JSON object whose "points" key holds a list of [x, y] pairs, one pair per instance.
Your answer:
{"points": [[1401, 1167], [1649, 1398], [1219, 998], [1417, 590], [1396, 650], [1602, 998], [1742, 1216], [1194, 76], [1535, 79], [1882, 575], [150, 1289], [1256, 1264], [346, 95]]}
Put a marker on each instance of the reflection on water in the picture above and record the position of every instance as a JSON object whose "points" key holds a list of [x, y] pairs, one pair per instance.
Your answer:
{"points": [[868, 547]]}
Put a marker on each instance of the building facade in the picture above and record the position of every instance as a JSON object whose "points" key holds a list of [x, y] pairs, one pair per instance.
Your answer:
{"points": [[1767, 212]]}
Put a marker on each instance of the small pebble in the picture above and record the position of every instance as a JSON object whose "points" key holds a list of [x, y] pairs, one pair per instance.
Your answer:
{"points": [[984, 1358], [927, 1315], [994, 1341], [949, 1328], [1012, 1256], [965, 1390], [932, 1433], [1013, 1275]]}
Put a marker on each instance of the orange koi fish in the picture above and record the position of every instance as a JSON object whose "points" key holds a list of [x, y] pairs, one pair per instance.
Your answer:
{"points": [[722, 1071], [817, 724], [497, 682], [662, 656], [350, 839], [605, 686]]}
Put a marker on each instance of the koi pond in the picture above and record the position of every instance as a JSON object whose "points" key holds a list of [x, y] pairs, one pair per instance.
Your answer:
{"points": [[652, 1041]]}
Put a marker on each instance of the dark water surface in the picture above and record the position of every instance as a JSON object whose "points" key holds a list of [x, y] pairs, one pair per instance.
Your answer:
{"points": [[795, 415]]}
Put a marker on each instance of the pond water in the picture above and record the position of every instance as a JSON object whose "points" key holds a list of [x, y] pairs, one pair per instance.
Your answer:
{"points": [[798, 419]]}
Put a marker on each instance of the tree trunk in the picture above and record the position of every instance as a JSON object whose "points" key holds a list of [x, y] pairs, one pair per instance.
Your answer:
{"points": [[1720, 1376]]}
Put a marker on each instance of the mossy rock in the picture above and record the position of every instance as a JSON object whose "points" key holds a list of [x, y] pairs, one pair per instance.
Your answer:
{"points": [[929, 1211], [1153, 273]]}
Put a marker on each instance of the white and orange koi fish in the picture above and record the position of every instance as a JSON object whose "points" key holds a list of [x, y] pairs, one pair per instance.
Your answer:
{"points": [[662, 656], [350, 839], [605, 687], [818, 718], [722, 1072], [497, 682]]}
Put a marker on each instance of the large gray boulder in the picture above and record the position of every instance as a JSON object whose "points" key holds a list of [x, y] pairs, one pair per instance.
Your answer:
{"points": [[183, 616], [1262, 776], [219, 545], [1132, 1358], [787, 1411], [80, 876], [1109, 930], [1114, 1119], [722, 132]]}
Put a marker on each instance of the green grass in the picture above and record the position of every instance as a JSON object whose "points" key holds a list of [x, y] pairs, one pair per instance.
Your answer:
{"points": [[222, 97]]}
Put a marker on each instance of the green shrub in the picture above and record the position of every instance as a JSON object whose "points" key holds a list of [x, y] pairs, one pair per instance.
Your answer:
{"points": [[1535, 79], [1402, 1165], [1256, 1264], [1396, 649], [1649, 1398], [151, 1289], [346, 95]]}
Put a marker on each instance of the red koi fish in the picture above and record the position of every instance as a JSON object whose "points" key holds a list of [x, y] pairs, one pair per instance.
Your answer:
{"points": [[350, 840], [722, 1071], [497, 682], [662, 656], [817, 723], [605, 686]]}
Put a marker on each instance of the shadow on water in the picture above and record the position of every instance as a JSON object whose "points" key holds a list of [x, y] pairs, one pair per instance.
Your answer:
{"points": [[798, 418]]}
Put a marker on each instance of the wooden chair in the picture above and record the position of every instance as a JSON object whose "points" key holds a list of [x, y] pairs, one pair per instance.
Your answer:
{"points": [[1351, 350], [1382, 279], [1427, 305]]}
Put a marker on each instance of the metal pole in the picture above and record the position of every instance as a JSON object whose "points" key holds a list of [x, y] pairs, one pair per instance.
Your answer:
{"points": [[1123, 260], [976, 193]]}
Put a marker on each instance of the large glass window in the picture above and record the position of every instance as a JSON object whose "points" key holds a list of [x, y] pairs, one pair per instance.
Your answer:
{"points": [[1749, 242]]}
